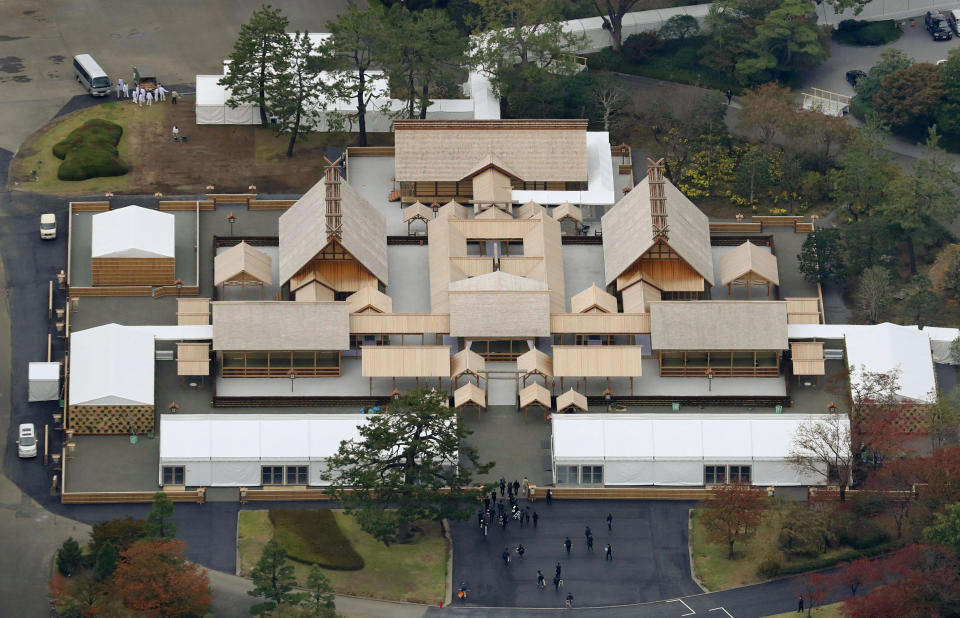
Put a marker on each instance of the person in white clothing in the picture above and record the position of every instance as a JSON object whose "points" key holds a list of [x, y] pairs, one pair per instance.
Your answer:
{"points": [[149, 99], [136, 94], [141, 98], [176, 132], [161, 93], [119, 88], [126, 90]]}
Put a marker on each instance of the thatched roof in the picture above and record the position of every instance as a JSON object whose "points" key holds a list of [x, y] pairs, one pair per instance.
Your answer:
{"points": [[718, 325], [303, 231], [807, 358], [469, 394], [490, 161], [280, 325], [567, 210], [417, 211], [628, 231], [748, 261], [395, 361], [242, 263], [499, 304], [528, 210], [572, 399], [535, 361], [535, 394], [575, 361], [593, 299], [370, 298], [466, 362], [452, 150]]}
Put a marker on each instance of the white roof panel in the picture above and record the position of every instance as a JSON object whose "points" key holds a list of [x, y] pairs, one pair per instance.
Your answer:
{"points": [[725, 438], [285, 437], [184, 438], [111, 365], [628, 440], [235, 437], [677, 438], [577, 436], [327, 431], [886, 347], [43, 371], [133, 232]]}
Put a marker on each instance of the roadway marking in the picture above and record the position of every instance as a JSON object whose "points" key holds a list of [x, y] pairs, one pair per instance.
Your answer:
{"points": [[690, 609], [721, 609]]}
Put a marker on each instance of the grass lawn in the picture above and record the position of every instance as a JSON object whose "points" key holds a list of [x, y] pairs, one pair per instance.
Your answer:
{"points": [[716, 572], [827, 611], [270, 148], [414, 572], [36, 153]]}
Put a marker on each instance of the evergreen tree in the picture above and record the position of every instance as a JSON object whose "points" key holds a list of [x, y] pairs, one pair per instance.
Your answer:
{"points": [[273, 579], [821, 256], [159, 524], [69, 558], [300, 94], [321, 600], [106, 562]]}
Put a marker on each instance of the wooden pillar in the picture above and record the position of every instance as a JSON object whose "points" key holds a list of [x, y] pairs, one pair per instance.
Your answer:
{"points": [[371, 386], [631, 386]]}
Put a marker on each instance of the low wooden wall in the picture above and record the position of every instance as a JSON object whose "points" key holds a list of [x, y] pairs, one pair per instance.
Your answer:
{"points": [[270, 204], [116, 290], [197, 496], [231, 198], [171, 290], [177, 205], [736, 228], [111, 271], [620, 493], [370, 151], [293, 494], [90, 206]]}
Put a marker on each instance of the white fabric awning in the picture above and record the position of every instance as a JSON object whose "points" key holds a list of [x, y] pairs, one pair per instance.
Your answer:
{"points": [[111, 365], [133, 232]]}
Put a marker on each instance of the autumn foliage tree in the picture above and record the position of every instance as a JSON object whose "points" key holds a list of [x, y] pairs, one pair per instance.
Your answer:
{"points": [[821, 447], [153, 578], [859, 573], [733, 513], [813, 588]]}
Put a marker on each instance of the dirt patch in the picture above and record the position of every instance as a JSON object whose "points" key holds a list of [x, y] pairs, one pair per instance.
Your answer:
{"points": [[11, 64], [56, 59], [4, 38]]}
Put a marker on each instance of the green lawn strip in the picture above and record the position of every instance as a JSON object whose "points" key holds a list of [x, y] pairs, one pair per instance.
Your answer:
{"points": [[414, 572], [825, 611], [37, 152], [716, 572], [312, 536]]}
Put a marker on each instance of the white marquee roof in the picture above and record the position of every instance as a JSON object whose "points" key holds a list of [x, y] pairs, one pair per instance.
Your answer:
{"points": [[133, 232], [111, 365], [660, 437], [253, 437]]}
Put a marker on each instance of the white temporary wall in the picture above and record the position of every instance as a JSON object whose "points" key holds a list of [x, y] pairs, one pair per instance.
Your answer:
{"points": [[43, 381]]}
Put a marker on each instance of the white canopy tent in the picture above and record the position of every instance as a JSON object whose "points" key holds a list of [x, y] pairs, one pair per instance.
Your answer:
{"points": [[133, 232], [43, 381], [111, 365], [673, 450], [229, 450]]}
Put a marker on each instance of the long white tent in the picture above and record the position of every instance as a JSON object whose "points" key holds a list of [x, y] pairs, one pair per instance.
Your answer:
{"points": [[661, 449], [111, 365], [133, 232], [229, 450]]}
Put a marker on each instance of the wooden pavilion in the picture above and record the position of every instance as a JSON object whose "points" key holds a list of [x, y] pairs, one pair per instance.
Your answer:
{"points": [[466, 362], [369, 300], [807, 358], [398, 361], [572, 399], [243, 266], [750, 266], [535, 363], [569, 212], [593, 300], [416, 212], [535, 394], [133, 246], [470, 395], [603, 361]]}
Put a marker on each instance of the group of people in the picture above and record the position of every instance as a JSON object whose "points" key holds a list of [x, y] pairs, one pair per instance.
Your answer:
{"points": [[141, 95]]}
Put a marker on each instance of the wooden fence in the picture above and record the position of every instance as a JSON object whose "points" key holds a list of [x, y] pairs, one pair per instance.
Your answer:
{"points": [[90, 206], [197, 496], [291, 494], [270, 204], [736, 228], [171, 290], [620, 493], [111, 290]]}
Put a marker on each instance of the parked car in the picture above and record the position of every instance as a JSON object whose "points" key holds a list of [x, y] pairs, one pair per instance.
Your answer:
{"points": [[27, 441], [936, 24], [953, 20], [48, 226], [854, 76]]}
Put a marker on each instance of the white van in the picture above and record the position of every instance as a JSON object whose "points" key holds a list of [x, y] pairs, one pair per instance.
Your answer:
{"points": [[90, 75]]}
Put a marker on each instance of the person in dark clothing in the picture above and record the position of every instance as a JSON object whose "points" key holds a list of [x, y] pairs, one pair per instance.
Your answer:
{"points": [[486, 503], [590, 543], [568, 544], [587, 532], [610, 522], [526, 515], [558, 570], [540, 580], [503, 486], [506, 556], [500, 508], [556, 583], [536, 518], [480, 518], [516, 488], [729, 96], [493, 496], [800, 606], [549, 497], [569, 601], [607, 552], [510, 492], [506, 520], [521, 550]]}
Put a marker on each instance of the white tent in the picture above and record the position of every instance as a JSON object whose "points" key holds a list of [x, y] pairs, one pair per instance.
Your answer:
{"points": [[212, 108], [43, 381], [885, 347], [229, 450], [111, 365], [673, 450], [133, 232]]}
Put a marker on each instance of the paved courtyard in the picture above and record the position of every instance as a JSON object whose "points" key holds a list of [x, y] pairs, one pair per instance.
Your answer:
{"points": [[650, 558]]}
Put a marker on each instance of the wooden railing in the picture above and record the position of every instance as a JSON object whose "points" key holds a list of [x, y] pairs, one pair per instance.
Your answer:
{"points": [[121, 497], [177, 205], [719, 372], [370, 151], [620, 493], [90, 206], [279, 372], [282, 494], [109, 290], [171, 290], [736, 228], [270, 204], [231, 198]]}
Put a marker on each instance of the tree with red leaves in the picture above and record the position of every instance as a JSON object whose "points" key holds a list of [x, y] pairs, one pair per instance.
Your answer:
{"points": [[922, 581], [733, 513], [153, 578], [894, 483], [813, 589], [859, 573]]}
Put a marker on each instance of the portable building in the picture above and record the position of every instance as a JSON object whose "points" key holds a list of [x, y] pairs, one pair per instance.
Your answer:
{"points": [[43, 381]]}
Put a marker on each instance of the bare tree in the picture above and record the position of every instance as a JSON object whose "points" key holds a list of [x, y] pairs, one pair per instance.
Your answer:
{"points": [[821, 447], [612, 98], [874, 292], [612, 12]]}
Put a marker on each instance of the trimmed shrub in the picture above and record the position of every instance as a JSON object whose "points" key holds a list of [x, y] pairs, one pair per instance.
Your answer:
{"points": [[860, 32], [642, 46], [312, 536], [90, 151], [845, 556], [769, 568]]}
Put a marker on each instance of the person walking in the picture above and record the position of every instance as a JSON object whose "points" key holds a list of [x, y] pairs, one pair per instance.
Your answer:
{"points": [[590, 543], [536, 518], [503, 487], [176, 133], [729, 97], [126, 90], [149, 98], [493, 496], [609, 522], [480, 518], [173, 97], [526, 515], [483, 528], [486, 503], [587, 532], [568, 544], [119, 87], [516, 488], [540, 580], [607, 552], [569, 601], [141, 98], [519, 516], [506, 520], [506, 556], [500, 508], [521, 550], [558, 570], [800, 606], [161, 93], [549, 497], [525, 486], [556, 582]]}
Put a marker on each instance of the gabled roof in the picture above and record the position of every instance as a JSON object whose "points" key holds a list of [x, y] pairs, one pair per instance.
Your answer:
{"points": [[280, 325], [417, 211], [466, 361], [242, 263], [535, 361], [567, 210], [493, 213], [303, 231], [469, 394], [133, 232], [451, 150], [489, 161], [628, 231], [111, 365], [535, 394], [370, 298], [529, 210], [593, 298], [498, 281], [453, 209], [745, 259], [718, 325], [571, 399]]}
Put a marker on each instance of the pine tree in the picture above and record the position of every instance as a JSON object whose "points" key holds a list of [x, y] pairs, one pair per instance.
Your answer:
{"points": [[273, 579], [106, 562], [70, 557], [250, 75], [158, 519]]}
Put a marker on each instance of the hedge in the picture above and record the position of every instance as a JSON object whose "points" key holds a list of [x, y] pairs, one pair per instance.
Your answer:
{"points": [[90, 151], [860, 32], [312, 536], [821, 563]]}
